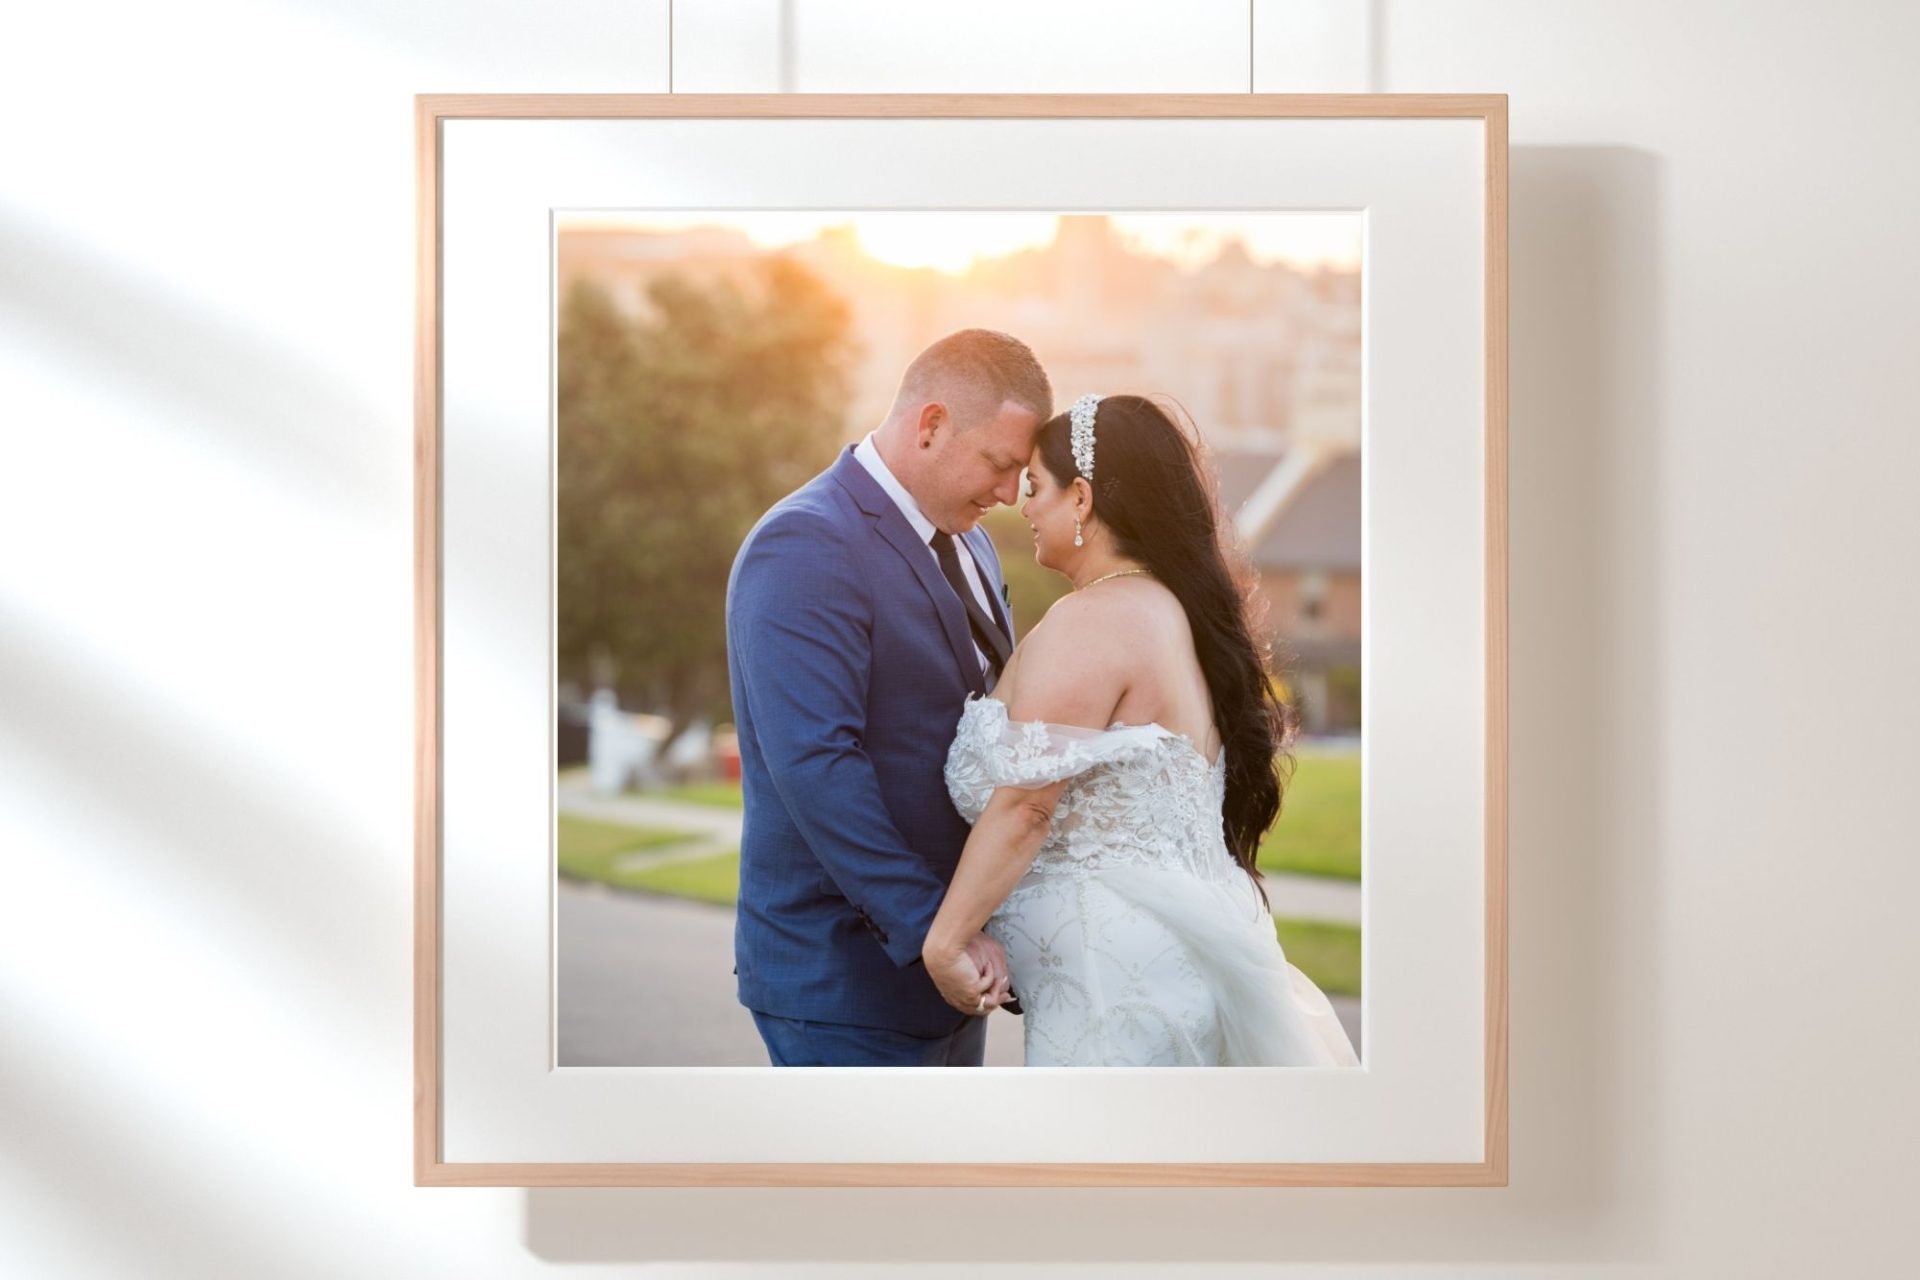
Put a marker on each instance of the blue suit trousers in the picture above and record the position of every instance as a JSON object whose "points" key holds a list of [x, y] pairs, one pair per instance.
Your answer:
{"points": [[796, 1042]]}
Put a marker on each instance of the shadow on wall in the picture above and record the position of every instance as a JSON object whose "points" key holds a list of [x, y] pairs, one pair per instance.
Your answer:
{"points": [[1587, 820]]}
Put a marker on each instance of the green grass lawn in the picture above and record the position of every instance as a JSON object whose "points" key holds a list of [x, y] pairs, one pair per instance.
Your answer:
{"points": [[715, 795], [1319, 829], [1318, 833], [591, 850], [715, 879], [1327, 953]]}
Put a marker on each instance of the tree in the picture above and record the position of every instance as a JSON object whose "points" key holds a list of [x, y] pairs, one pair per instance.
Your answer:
{"points": [[678, 429]]}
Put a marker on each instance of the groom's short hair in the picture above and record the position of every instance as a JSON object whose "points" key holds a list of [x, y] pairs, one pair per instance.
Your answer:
{"points": [[973, 372]]}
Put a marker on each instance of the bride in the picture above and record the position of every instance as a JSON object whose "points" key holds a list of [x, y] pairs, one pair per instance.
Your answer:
{"points": [[1119, 778]]}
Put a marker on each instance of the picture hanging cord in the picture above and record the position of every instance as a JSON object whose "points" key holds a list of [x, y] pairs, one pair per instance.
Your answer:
{"points": [[786, 46]]}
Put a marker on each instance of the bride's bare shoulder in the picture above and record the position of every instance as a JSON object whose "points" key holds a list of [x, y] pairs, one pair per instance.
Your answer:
{"points": [[1124, 611], [1084, 634], [1077, 616], [1064, 654]]}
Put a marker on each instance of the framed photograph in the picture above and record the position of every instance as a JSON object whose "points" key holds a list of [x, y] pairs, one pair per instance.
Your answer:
{"points": [[1006, 583]]}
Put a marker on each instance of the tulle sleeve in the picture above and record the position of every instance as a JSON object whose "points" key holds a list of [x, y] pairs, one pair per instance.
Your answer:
{"points": [[1035, 753]]}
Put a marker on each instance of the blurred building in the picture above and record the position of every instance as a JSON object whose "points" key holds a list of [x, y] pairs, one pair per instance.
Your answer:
{"points": [[1298, 520], [1255, 352]]}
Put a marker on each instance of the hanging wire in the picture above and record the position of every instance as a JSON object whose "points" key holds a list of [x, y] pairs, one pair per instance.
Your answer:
{"points": [[786, 84]]}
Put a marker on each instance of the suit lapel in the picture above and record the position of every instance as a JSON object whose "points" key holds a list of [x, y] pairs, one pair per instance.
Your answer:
{"points": [[892, 525]]}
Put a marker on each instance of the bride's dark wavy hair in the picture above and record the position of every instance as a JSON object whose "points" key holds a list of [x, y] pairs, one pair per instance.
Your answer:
{"points": [[1151, 489]]}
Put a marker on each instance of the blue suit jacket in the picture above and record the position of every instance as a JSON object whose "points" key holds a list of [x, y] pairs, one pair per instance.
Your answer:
{"points": [[850, 660]]}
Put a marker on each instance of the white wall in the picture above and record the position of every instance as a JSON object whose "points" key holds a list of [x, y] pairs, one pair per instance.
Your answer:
{"points": [[205, 240]]}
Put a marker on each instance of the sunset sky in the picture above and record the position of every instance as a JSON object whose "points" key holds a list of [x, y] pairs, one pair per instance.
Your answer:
{"points": [[951, 241]]}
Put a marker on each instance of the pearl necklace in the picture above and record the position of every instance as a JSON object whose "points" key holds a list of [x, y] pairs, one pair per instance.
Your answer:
{"points": [[1121, 573]]}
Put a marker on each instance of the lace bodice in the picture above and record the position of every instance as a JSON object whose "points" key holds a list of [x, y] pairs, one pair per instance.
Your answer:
{"points": [[1135, 940], [1139, 794]]}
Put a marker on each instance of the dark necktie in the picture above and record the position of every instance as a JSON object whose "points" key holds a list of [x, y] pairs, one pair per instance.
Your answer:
{"points": [[986, 630]]}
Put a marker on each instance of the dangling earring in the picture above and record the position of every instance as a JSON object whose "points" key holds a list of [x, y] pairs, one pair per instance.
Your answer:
{"points": [[1078, 541]]}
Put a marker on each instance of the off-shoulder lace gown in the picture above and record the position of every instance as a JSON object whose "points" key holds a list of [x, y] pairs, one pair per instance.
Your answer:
{"points": [[1135, 939]]}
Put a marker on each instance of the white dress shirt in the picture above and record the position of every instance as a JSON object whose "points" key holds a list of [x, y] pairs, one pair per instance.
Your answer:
{"points": [[868, 455]]}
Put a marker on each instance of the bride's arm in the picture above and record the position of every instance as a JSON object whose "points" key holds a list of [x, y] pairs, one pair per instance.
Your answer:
{"points": [[1073, 670], [1003, 844]]}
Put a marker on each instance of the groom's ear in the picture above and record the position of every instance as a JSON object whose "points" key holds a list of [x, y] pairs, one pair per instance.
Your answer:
{"points": [[933, 417]]}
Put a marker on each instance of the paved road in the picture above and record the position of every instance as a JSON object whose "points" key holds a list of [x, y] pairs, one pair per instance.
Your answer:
{"points": [[648, 981], [1297, 897]]}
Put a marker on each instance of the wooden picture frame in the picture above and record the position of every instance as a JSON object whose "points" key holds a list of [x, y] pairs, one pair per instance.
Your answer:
{"points": [[434, 1165]]}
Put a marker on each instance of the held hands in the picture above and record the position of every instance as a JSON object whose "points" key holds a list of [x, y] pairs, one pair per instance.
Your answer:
{"points": [[972, 978]]}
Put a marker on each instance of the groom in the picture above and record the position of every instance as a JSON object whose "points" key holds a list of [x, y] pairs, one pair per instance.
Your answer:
{"points": [[862, 611]]}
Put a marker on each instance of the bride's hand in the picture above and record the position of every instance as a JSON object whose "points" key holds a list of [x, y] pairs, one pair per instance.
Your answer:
{"points": [[991, 959], [971, 978]]}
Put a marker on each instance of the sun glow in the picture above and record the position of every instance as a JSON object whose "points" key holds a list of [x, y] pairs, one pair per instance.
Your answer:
{"points": [[948, 242], [953, 242]]}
